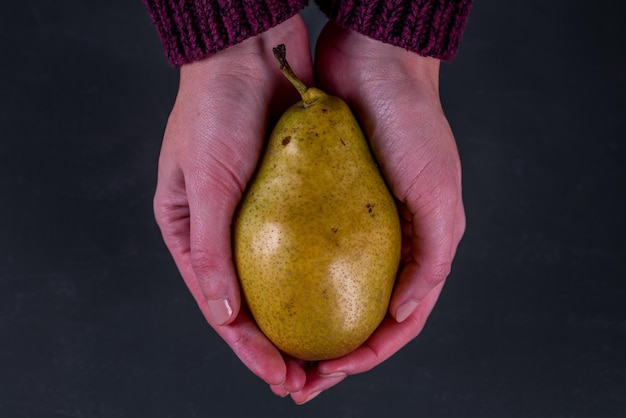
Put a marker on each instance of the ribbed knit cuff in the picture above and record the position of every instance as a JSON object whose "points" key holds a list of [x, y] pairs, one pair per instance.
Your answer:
{"points": [[429, 27], [193, 29]]}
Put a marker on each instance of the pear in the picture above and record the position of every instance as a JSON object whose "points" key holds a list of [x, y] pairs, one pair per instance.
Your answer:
{"points": [[317, 235]]}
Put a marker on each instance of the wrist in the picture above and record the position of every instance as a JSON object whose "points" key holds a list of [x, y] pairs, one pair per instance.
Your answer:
{"points": [[427, 27], [253, 50], [193, 29], [250, 67], [376, 64]]}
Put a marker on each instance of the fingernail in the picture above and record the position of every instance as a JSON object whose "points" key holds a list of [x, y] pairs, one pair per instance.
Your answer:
{"points": [[333, 374], [310, 397], [405, 310], [220, 310]]}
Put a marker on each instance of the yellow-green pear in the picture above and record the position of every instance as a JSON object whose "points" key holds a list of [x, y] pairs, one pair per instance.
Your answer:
{"points": [[317, 235]]}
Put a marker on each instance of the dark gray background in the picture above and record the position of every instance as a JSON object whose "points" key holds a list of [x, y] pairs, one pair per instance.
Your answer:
{"points": [[95, 321]]}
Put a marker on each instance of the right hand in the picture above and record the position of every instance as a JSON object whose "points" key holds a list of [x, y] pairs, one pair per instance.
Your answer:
{"points": [[211, 146], [395, 94]]}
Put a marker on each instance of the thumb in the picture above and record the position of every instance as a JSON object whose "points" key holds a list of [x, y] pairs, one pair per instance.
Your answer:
{"points": [[213, 197], [433, 235]]}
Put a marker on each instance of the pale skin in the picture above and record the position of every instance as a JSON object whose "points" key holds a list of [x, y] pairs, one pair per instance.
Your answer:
{"points": [[213, 140]]}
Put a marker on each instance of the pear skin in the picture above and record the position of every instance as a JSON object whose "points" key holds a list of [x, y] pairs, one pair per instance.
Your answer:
{"points": [[317, 236]]}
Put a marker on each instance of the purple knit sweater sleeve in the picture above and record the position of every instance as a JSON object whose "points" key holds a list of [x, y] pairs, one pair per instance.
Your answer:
{"points": [[428, 27], [193, 29]]}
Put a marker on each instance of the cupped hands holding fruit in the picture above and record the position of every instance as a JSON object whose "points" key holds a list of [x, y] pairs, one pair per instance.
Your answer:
{"points": [[213, 143]]}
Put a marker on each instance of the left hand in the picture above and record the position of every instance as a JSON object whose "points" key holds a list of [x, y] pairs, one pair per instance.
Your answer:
{"points": [[394, 93], [211, 146]]}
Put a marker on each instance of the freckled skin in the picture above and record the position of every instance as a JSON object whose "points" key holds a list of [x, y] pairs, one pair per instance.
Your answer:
{"points": [[317, 237]]}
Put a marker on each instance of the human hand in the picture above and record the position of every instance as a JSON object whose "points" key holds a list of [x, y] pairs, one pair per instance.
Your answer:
{"points": [[211, 146], [394, 93]]}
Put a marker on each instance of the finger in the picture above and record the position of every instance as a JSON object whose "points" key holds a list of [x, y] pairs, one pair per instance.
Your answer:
{"points": [[383, 343], [254, 350], [242, 335], [279, 390], [213, 197], [296, 375], [295, 379], [433, 238], [315, 384]]}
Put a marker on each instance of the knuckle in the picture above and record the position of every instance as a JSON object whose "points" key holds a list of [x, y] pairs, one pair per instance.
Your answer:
{"points": [[172, 220], [203, 264], [437, 273], [210, 273]]}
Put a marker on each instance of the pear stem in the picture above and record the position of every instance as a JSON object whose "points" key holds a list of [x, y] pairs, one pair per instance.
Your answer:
{"points": [[280, 53]]}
